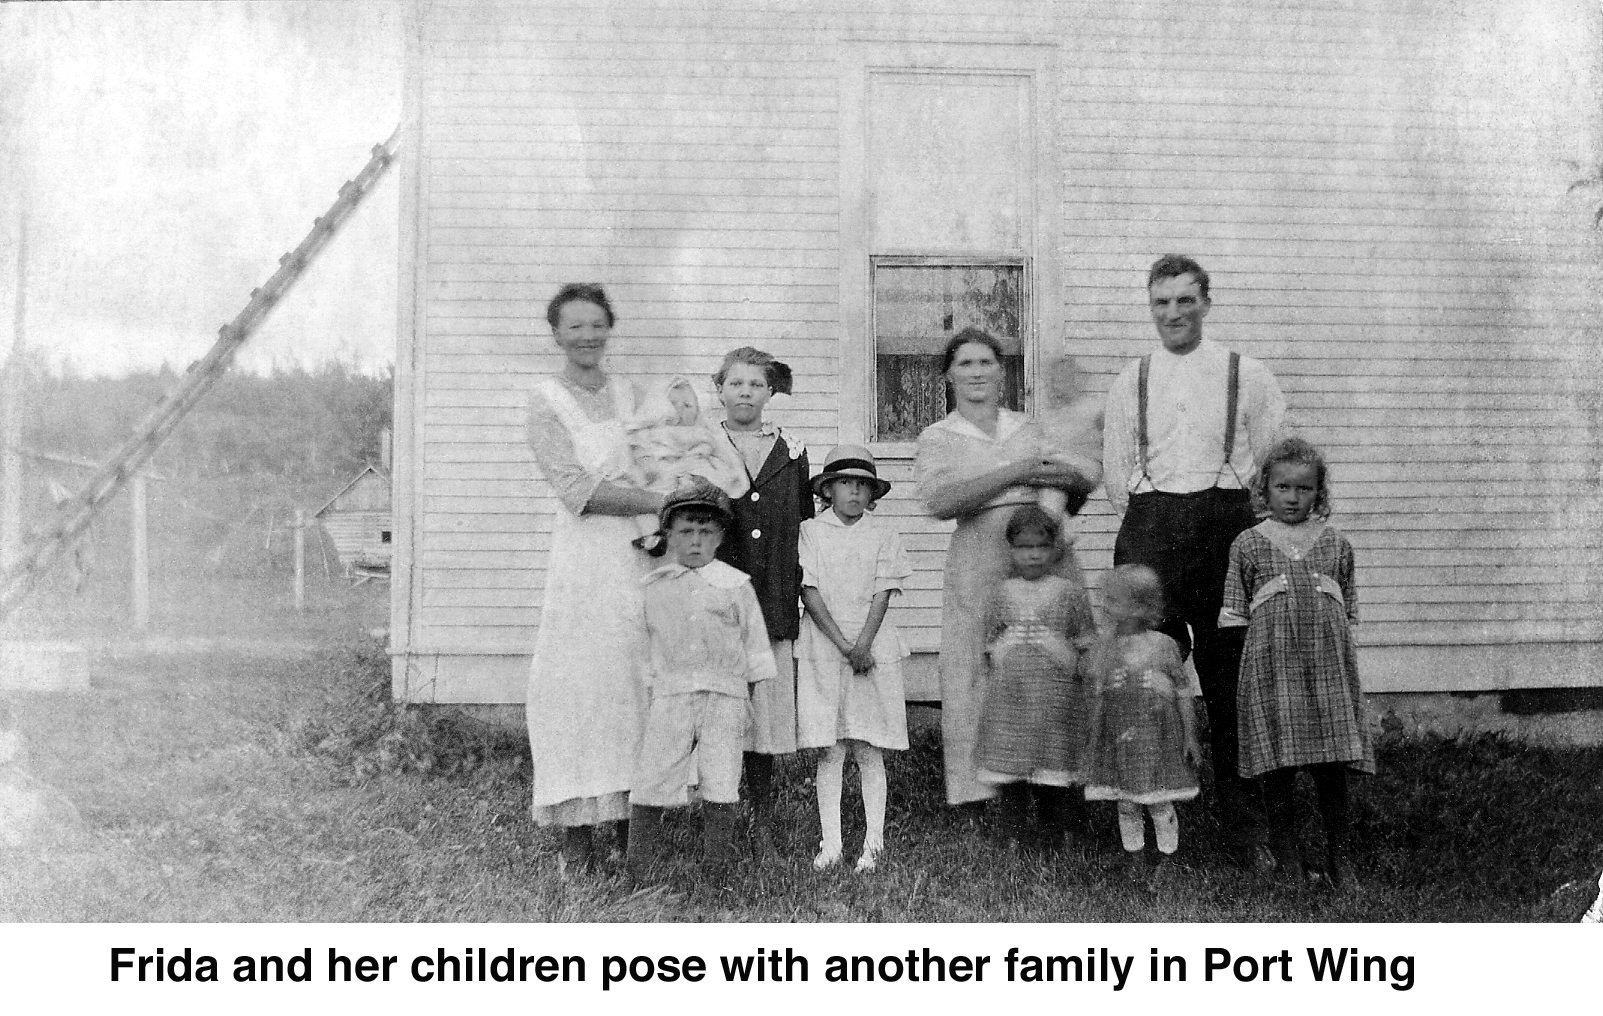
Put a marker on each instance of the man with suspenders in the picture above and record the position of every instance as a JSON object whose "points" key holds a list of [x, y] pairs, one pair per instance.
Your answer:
{"points": [[1185, 427]]}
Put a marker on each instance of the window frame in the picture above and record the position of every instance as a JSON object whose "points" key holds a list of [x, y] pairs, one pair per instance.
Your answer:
{"points": [[1027, 325], [861, 58]]}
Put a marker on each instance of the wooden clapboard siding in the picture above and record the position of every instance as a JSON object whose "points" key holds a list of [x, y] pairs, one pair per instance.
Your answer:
{"points": [[693, 173], [1377, 187], [1383, 211]]}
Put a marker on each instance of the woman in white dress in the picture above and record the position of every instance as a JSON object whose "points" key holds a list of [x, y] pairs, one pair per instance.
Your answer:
{"points": [[586, 697]]}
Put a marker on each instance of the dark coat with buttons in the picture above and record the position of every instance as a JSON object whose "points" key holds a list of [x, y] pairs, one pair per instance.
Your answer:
{"points": [[762, 542]]}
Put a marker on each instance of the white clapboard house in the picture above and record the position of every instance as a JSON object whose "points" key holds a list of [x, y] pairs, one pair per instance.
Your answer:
{"points": [[1380, 189]]}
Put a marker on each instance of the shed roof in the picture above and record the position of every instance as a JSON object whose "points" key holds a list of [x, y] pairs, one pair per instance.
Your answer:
{"points": [[370, 470]]}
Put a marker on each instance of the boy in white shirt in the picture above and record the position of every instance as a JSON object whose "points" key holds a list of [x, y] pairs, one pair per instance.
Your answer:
{"points": [[708, 647]]}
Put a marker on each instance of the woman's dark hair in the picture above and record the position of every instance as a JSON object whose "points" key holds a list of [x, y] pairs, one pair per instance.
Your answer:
{"points": [[962, 339], [1298, 452], [775, 373], [573, 292], [1032, 517]]}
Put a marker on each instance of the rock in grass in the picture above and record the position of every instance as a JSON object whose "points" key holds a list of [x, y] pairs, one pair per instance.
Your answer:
{"points": [[31, 812]]}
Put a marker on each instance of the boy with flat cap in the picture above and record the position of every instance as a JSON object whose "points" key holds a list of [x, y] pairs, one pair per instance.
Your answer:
{"points": [[707, 648]]}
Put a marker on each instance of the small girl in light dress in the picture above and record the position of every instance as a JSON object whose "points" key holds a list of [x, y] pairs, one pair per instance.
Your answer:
{"points": [[1033, 721], [1143, 750], [1299, 701], [849, 692]]}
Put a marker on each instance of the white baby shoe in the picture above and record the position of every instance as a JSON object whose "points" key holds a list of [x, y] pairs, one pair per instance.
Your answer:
{"points": [[828, 856], [869, 859]]}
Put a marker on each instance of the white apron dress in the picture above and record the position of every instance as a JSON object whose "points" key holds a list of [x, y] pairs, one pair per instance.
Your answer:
{"points": [[586, 701]]}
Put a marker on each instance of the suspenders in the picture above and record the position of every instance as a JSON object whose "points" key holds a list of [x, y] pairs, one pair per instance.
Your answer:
{"points": [[1232, 400]]}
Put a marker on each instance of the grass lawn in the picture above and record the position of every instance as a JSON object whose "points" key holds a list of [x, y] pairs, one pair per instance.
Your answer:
{"points": [[254, 769]]}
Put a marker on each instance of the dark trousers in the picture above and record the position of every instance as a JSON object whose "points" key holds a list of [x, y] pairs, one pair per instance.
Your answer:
{"points": [[1186, 539]]}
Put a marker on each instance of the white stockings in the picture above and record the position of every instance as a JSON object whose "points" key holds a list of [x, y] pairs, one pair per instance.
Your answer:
{"points": [[871, 767]]}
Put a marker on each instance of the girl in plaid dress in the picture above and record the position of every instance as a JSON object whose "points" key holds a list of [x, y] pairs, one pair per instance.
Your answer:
{"points": [[1142, 746], [1032, 725], [1300, 704]]}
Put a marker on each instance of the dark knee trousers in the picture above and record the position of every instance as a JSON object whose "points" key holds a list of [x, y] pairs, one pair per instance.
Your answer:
{"points": [[1186, 539]]}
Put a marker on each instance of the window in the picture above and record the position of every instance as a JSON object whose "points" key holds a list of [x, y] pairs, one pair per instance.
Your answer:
{"points": [[951, 207], [917, 305], [384, 536]]}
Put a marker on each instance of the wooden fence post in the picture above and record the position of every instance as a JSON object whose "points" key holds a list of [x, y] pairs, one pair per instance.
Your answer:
{"points": [[140, 565], [300, 559]]}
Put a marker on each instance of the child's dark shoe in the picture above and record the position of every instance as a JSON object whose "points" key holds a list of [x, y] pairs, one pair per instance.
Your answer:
{"points": [[1289, 869], [1135, 868], [1259, 860], [762, 837], [1339, 872], [643, 855], [578, 852], [1165, 874], [718, 834]]}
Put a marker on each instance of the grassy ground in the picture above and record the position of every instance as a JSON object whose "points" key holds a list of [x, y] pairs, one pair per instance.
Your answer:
{"points": [[255, 770]]}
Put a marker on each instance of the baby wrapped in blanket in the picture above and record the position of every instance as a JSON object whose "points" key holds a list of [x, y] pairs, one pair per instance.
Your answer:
{"points": [[672, 441]]}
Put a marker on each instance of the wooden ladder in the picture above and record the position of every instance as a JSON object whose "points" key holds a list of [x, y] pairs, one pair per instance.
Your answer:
{"points": [[74, 515]]}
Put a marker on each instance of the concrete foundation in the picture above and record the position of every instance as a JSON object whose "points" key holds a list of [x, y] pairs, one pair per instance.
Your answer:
{"points": [[1506, 713], [1560, 719], [43, 667]]}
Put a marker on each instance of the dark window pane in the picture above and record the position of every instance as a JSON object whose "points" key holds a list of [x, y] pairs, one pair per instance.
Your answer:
{"points": [[917, 308]]}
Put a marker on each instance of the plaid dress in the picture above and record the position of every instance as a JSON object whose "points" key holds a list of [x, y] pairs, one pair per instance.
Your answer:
{"points": [[1032, 725], [1299, 700], [1137, 736]]}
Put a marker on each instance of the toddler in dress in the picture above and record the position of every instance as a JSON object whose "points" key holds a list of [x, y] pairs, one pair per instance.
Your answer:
{"points": [[1299, 702], [1143, 749], [1033, 721], [849, 692]]}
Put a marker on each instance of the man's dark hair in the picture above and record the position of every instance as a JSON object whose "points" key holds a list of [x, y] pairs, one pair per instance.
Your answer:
{"points": [[1172, 266]]}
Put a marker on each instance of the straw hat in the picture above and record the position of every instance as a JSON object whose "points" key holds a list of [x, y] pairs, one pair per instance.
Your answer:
{"points": [[850, 461]]}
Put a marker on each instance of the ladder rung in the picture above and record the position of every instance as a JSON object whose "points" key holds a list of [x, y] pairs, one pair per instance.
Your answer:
{"points": [[77, 513]]}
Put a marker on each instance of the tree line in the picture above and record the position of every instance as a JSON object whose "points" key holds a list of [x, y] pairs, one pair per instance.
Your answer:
{"points": [[293, 423]]}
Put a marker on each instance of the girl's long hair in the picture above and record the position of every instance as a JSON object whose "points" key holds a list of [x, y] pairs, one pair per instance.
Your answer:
{"points": [[1299, 452]]}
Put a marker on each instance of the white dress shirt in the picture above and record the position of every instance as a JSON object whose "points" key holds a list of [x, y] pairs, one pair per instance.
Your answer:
{"points": [[1186, 402]]}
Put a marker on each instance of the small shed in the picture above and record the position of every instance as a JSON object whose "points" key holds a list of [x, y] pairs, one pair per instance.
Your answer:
{"points": [[357, 519]]}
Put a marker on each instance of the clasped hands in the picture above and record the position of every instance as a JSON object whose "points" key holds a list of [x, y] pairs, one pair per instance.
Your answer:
{"points": [[1049, 471], [859, 655]]}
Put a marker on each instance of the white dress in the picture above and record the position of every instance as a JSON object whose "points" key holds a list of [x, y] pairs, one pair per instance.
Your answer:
{"points": [[586, 699], [849, 566]]}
